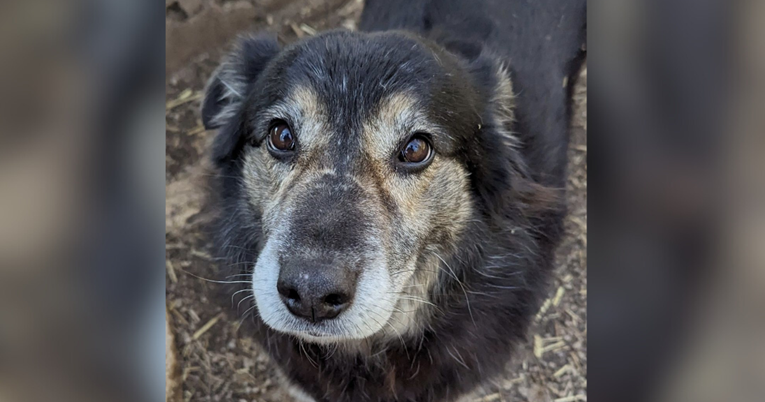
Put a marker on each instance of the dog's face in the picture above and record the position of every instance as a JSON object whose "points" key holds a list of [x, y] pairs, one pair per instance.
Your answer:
{"points": [[350, 157]]}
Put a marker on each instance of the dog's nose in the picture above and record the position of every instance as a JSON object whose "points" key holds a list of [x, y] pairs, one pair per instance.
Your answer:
{"points": [[316, 292]]}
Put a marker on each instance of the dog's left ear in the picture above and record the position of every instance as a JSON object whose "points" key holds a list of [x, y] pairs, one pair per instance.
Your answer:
{"points": [[227, 91], [499, 171], [489, 73], [232, 81], [493, 78]]}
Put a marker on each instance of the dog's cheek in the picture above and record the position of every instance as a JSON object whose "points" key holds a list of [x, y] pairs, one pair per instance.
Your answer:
{"points": [[414, 220], [449, 200], [261, 184]]}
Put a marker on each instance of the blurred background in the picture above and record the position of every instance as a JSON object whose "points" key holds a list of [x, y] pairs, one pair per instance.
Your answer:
{"points": [[81, 200], [676, 209], [659, 287]]}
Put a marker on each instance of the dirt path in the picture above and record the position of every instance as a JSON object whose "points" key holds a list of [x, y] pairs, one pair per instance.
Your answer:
{"points": [[219, 362]]}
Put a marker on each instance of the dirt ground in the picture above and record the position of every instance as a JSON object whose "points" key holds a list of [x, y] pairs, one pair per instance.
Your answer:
{"points": [[218, 361]]}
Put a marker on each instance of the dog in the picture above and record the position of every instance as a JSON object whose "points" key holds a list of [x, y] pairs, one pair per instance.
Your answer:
{"points": [[392, 197]]}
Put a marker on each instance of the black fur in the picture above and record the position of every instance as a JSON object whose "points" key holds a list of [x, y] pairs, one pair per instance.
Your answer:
{"points": [[504, 258]]}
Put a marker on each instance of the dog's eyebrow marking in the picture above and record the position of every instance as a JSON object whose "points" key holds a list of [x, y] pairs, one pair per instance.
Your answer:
{"points": [[394, 117], [392, 107], [307, 114]]}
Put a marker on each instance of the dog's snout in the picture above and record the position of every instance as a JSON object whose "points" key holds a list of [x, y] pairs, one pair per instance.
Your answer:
{"points": [[316, 291]]}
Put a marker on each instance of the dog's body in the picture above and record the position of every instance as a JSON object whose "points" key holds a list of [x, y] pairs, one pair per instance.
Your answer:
{"points": [[395, 196]]}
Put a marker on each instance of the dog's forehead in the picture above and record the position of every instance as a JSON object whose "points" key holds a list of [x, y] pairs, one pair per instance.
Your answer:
{"points": [[352, 74], [360, 89], [394, 110]]}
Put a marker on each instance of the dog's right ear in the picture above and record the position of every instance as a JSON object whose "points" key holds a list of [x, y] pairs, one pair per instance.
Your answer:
{"points": [[233, 80]]}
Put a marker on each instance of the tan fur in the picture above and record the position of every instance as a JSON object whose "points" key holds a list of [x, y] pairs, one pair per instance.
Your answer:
{"points": [[442, 187], [395, 117], [434, 202], [266, 180], [312, 117]]}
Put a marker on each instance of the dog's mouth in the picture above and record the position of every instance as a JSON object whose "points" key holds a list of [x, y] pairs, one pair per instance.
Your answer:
{"points": [[314, 335], [321, 304]]}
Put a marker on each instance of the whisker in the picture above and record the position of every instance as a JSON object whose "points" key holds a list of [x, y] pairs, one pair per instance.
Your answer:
{"points": [[244, 316], [413, 298], [302, 347], [454, 275], [240, 302], [236, 293], [211, 280]]}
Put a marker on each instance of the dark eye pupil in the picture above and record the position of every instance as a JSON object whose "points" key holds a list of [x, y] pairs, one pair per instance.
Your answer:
{"points": [[417, 150], [281, 137]]}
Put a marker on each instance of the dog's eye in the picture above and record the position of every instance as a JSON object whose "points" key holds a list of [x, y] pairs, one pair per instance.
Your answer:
{"points": [[417, 150], [280, 137]]}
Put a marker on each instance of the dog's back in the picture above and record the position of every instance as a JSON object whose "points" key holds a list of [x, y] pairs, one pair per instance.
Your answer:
{"points": [[542, 43]]}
